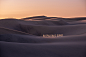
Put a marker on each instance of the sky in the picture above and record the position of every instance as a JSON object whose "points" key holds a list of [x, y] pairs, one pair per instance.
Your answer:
{"points": [[54, 8]]}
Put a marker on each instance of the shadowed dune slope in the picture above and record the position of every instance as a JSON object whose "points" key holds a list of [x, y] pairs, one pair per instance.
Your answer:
{"points": [[65, 30], [36, 39]]}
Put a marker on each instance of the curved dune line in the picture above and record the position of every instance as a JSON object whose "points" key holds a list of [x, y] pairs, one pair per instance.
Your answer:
{"points": [[25, 32], [14, 30]]}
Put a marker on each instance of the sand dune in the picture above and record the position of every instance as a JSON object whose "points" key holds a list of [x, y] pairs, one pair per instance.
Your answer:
{"points": [[24, 37], [65, 30], [35, 39]]}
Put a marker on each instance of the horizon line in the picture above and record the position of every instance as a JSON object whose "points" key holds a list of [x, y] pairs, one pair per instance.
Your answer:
{"points": [[41, 15]]}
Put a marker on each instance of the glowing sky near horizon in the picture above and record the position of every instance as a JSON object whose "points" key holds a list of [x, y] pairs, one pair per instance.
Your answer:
{"points": [[25, 8]]}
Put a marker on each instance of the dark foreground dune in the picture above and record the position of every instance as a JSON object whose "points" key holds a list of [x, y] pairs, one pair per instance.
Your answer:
{"points": [[24, 38]]}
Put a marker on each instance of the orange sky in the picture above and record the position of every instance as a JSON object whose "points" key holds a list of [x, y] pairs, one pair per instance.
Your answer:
{"points": [[25, 8]]}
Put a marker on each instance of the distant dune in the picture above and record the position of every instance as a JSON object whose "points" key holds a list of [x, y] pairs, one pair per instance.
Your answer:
{"points": [[24, 37]]}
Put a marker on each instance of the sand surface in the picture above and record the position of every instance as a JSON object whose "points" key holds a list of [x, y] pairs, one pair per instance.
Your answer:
{"points": [[24, 37]]}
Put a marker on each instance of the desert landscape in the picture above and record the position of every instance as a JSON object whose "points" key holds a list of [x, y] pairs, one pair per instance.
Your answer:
{"points": [[42, 28], [24, 37]]}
